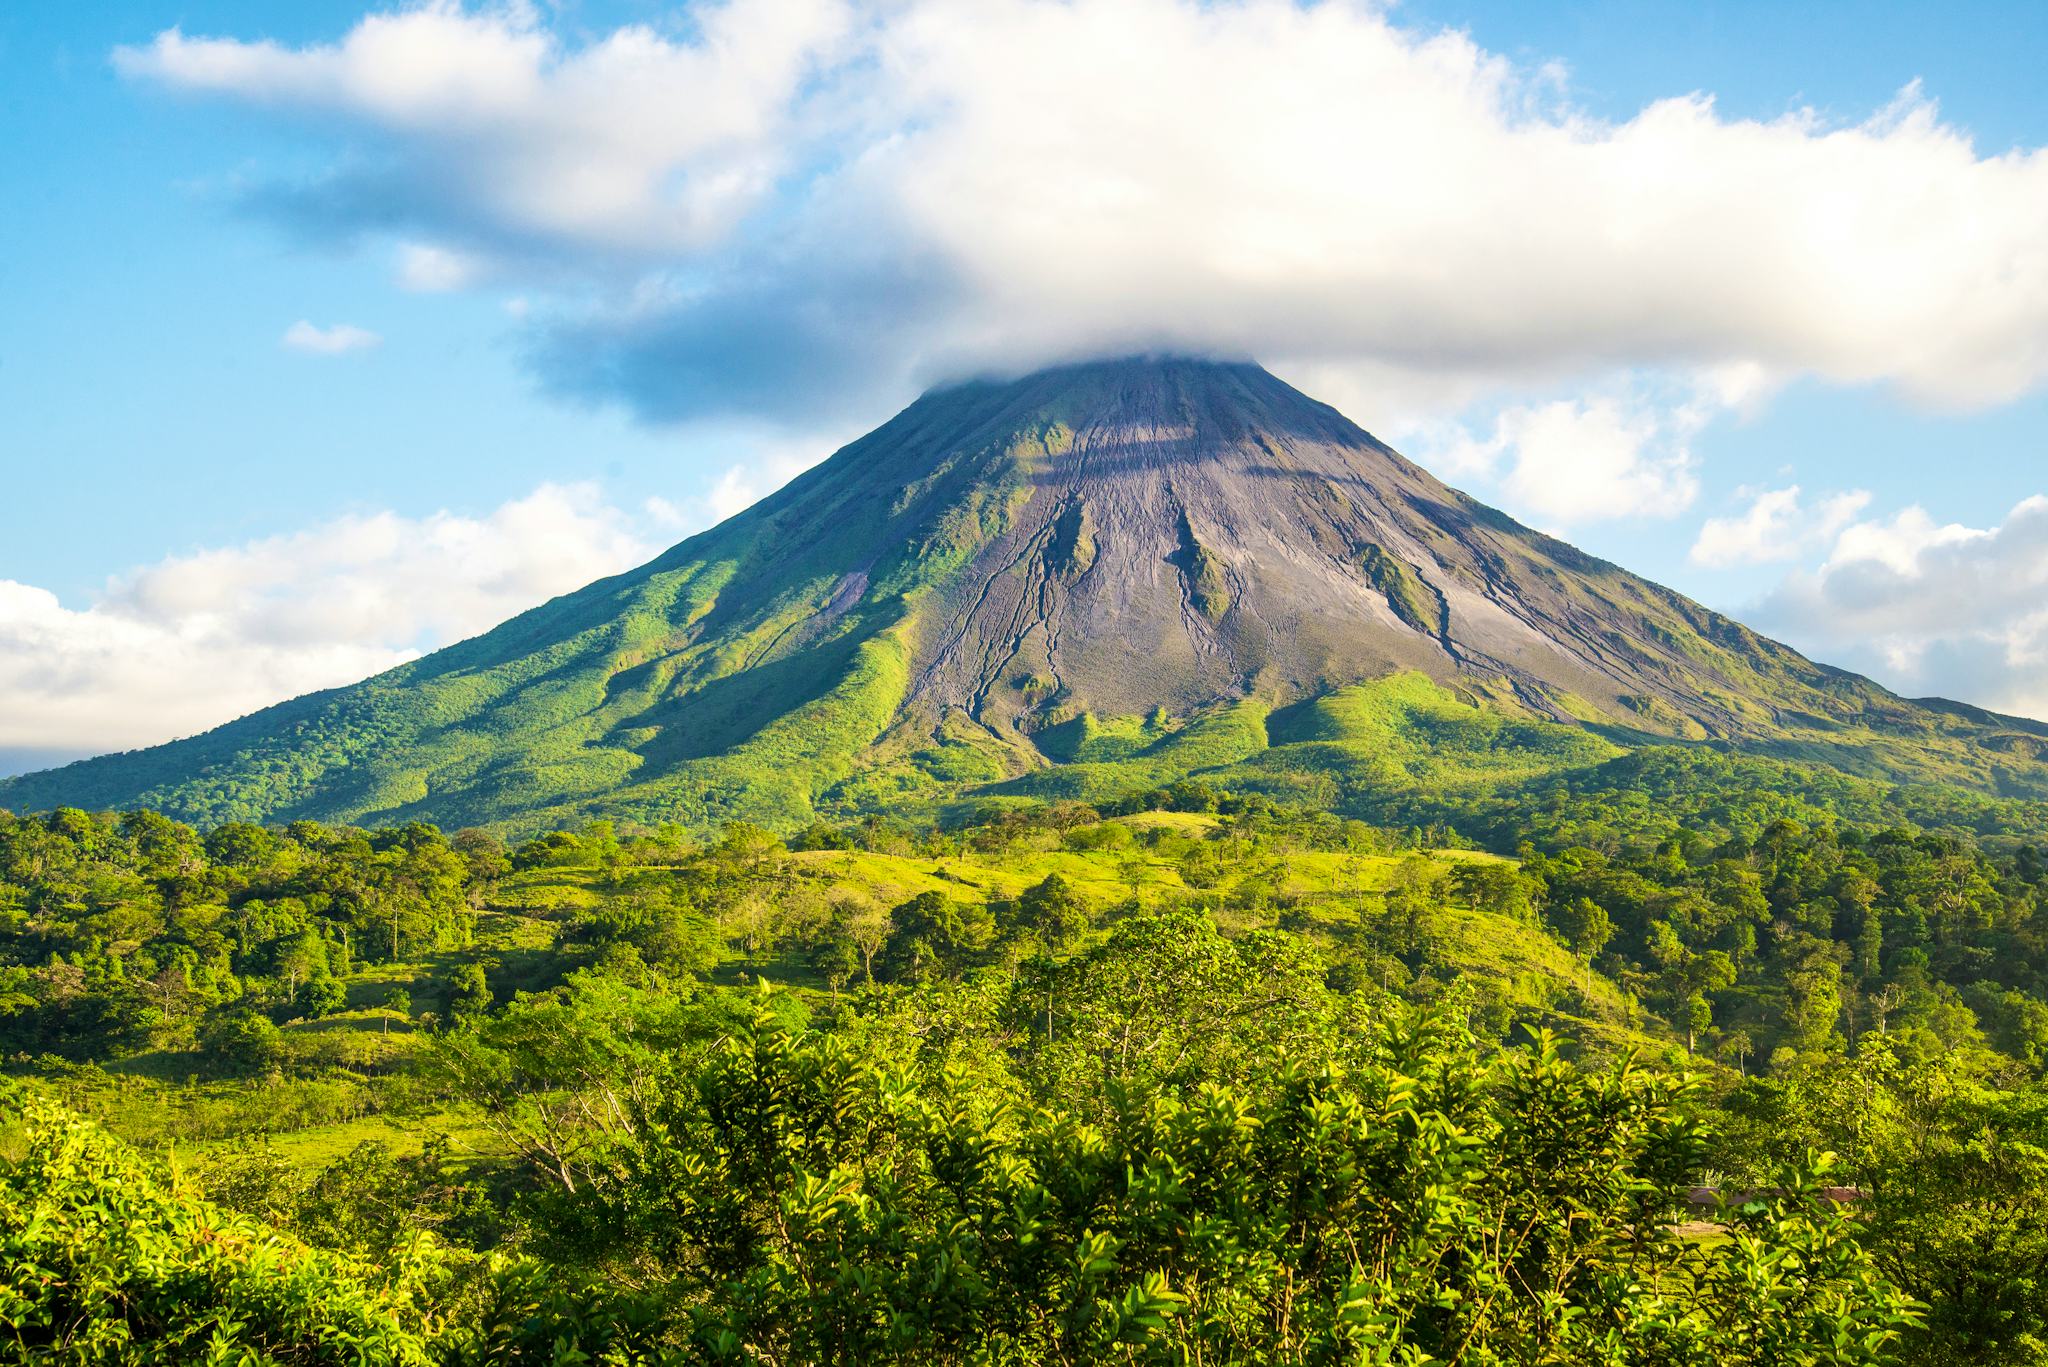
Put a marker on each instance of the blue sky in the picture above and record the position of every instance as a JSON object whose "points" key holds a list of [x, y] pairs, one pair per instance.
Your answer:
{"points": [[692, 287], [139, 347]]}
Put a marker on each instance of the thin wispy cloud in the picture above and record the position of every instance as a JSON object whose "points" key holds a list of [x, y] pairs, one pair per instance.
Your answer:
{"points": [[337, 339], [427, 269]]}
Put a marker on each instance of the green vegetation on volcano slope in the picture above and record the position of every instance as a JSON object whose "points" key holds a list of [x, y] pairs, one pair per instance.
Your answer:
{"points": [[655, 716], [1404, 751], [924, 617], [737, 676]]}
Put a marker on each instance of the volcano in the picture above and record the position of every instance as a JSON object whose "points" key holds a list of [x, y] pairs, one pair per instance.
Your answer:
{"points": [[1094, 565]]}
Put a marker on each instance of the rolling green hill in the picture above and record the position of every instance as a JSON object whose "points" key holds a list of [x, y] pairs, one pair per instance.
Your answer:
{"points": [[1090, 579]]}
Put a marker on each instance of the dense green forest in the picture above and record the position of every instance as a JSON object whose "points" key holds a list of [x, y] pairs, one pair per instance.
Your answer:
{"points": [[1182, 1075]]}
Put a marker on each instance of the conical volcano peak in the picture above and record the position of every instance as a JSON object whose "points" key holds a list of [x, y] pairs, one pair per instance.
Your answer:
{"points": [[1224, 397], [1177, 531], [1105, 548], [1130, 373]]}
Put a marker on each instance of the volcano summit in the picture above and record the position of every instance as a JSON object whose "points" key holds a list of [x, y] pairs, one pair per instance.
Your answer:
{"points": [[1107, 574]]}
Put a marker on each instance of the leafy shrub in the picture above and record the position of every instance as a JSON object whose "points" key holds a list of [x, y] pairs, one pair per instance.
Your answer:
{"points": [[101, 1262], [808, 1203]]}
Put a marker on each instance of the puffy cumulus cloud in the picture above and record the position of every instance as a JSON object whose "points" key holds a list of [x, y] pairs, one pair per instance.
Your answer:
{"points": [[1575, 460], [784, 203], [83, 681], [1932, 608], [496, 131], [1899, 544], [199, 639], [1778, 525], [337, 340]]}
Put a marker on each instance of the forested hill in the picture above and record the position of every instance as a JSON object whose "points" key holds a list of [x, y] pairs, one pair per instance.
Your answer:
{"points": [[1167, 565]]}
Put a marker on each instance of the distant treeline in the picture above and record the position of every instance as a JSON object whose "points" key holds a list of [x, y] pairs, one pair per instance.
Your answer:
{"points": [[1749, 936]]}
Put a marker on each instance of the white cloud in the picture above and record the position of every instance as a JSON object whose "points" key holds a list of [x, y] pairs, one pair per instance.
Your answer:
{"points": [[871, 193], [328, 341], [744, 484], [663, 513], [632, 141], [196, 640], [1778, 526], [425, 268], [1932, 608], [1899, 545], [1576, 460]]}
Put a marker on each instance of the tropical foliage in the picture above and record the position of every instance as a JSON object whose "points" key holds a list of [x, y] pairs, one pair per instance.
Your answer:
{"points": [[1187, 1075]]}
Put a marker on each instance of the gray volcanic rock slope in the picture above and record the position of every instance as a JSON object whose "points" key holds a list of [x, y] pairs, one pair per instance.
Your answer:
{"points": [[1192, 531], [913, 615]]}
